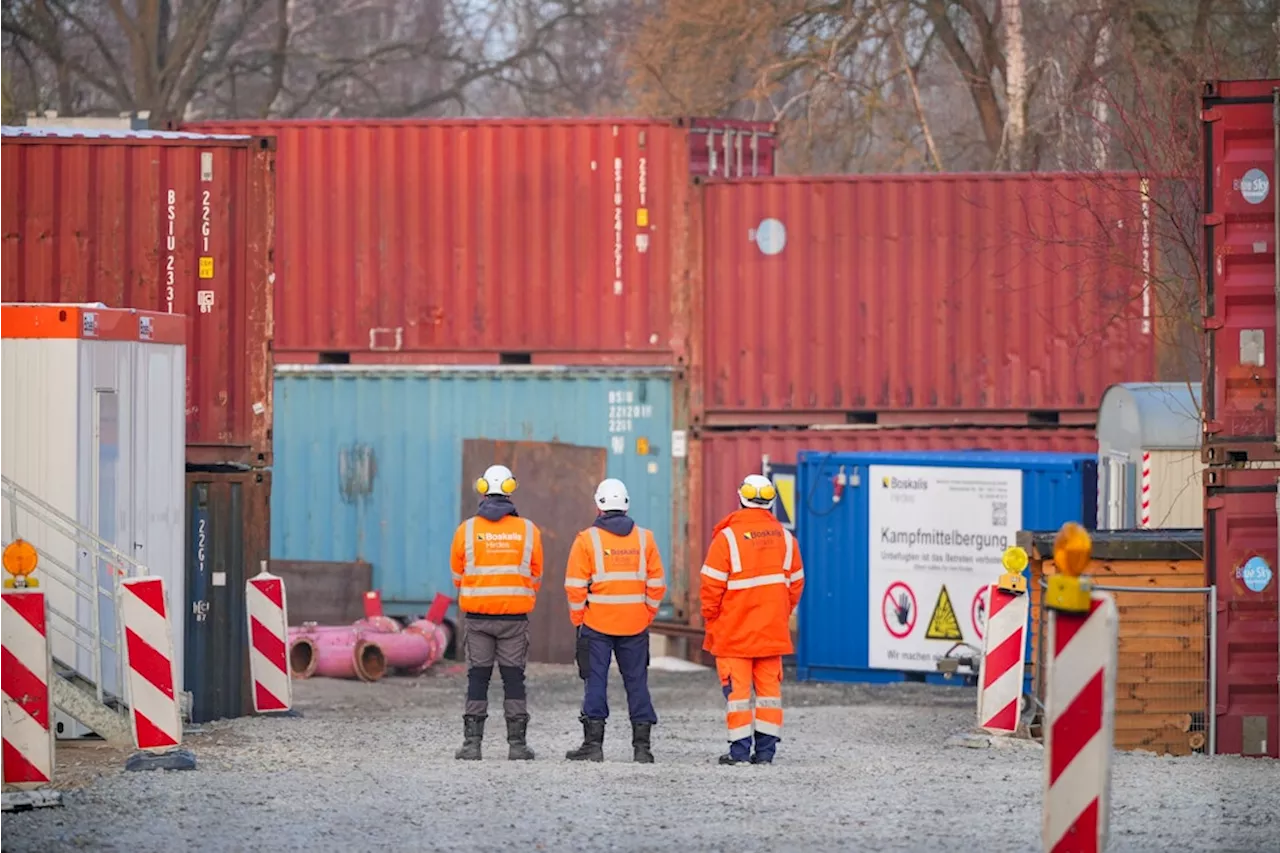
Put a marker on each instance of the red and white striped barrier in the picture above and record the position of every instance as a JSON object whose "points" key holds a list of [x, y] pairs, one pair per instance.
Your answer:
{"points": [[24, 682], [1146, 489], [1003, 667], [268, 643], [1080, 702], [152, 674]]}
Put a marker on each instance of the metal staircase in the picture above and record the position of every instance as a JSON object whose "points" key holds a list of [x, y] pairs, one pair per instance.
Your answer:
{"points": [[80, 574]]}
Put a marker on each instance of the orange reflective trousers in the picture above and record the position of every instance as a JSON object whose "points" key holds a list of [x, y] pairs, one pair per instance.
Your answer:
{"points": [[738, 676]]}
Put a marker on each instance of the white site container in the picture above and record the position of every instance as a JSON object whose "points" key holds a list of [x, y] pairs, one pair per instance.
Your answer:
{"points": [[92, 421], [1150, 431]]}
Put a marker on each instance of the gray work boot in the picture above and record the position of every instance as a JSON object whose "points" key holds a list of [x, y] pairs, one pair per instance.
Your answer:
{"points": [[518, 750], [473, 734], [592, 748], [640, 742]]}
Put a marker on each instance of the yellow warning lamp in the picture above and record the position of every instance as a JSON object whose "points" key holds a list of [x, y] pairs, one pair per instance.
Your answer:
{"points": [[20, 560], [1067, 590], [1015, 563]]}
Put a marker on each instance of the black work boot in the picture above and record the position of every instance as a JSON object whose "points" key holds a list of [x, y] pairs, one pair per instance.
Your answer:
{"points": [[518, 749], [592, 748], [640, 742], [473, 734]]}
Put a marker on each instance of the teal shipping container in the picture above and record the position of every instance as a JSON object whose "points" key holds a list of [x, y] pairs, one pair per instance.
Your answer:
{"points": [[368, 459]]}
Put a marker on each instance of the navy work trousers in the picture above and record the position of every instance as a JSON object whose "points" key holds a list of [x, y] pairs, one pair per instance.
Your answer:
{"points": [[633, 662]]}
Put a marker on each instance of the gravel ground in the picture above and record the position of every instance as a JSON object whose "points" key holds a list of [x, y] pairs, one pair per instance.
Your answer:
{"points": [[370, 767]]}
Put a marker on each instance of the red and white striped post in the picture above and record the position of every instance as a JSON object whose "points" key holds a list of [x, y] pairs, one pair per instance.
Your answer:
{"points": [[1146, 489], [24, 684], [1080, 670], [269, 643], [1003, 668], [151, 676]]}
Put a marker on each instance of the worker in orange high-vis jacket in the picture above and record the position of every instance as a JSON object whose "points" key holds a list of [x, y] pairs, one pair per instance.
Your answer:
{"points": [[615, 584], [751, 582], [497, 568]]}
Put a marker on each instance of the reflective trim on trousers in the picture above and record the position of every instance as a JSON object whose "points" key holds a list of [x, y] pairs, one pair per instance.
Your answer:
{"points": [[740, 732], [765, 727]]}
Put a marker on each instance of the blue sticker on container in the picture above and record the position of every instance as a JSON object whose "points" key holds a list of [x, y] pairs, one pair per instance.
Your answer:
{"points": [[1255, 573]]}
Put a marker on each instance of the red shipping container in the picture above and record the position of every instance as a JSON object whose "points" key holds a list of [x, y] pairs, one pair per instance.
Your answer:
{"points": [[1241, 558], [958, 298], [487, 241], [718, 461], [159, 222], [1241, 278]]}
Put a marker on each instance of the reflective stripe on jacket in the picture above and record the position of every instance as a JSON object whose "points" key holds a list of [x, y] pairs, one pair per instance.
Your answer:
{"points": [[497, 565], [751, 582], [614, 584]]}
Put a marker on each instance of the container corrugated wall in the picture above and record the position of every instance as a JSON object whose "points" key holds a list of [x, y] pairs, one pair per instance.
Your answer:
{"points": [[968, 298], [458, 241], [228, 536], [719, 461], [837, 542], [1240, 274], [159, 222], [1242, 559], [369, 460]]}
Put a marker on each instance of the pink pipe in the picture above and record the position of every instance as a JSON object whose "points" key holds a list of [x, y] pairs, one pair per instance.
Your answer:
{"points": [[414, 649], [302, 657], [361, 659]]}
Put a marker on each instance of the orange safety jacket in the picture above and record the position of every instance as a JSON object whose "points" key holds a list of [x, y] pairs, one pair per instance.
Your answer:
{"points": [[497, 565], [614, 584], [751, 582]]}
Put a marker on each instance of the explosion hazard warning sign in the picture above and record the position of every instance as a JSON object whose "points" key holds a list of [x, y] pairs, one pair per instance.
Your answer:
{"points": [[943, 624]]}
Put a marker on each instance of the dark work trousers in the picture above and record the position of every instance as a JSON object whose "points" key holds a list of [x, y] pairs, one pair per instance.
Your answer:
{"points": [[506, 642], [633, 662]]}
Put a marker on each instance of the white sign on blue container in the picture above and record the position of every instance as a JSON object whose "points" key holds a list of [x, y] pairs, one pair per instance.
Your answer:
{"points": [[1255, 573], [936, 537]]}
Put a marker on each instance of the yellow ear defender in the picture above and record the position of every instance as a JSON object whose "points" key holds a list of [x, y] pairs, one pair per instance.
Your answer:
{"points": [[751, 493], [508, 486]]}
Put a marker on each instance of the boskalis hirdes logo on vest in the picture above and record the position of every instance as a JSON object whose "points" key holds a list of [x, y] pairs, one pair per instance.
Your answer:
{"points": [[762, 535], [622, 552], [494, 541]]}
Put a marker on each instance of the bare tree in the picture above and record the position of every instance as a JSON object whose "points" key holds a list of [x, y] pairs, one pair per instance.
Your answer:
{"points": [[235, 58]]}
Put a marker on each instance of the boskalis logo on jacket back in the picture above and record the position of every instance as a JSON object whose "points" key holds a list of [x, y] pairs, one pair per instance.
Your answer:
{"points": [[501, 542]]}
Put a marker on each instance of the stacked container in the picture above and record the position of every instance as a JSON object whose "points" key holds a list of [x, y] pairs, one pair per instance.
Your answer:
{"points": [[1241, 121], [910, 312], [451, 289], [182, 224]]}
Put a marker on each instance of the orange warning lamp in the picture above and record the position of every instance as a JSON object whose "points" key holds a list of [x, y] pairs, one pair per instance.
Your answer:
{"points": [[1015, 563], [1067, 590], [20, 560]]}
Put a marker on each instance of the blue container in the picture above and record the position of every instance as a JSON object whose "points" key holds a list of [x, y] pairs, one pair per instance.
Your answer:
{"points": [[908, 547], [368, 460]]}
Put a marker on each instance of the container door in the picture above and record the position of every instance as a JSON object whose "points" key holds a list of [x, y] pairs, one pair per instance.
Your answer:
{"points": [[1116, 497], [557, 488], [106, 513]]}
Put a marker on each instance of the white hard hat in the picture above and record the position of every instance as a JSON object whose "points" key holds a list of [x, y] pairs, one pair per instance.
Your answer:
{"points": [[757, 490], [497, 480], [612, 494]]}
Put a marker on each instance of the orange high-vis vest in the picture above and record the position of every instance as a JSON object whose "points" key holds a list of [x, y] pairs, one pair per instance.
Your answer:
{"points": [[614, 584], [497, 565], [751, 581]]}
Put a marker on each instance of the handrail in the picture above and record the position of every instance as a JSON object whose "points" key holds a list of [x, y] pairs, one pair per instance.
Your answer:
{"points": [[83, 535], [85, 586]]}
